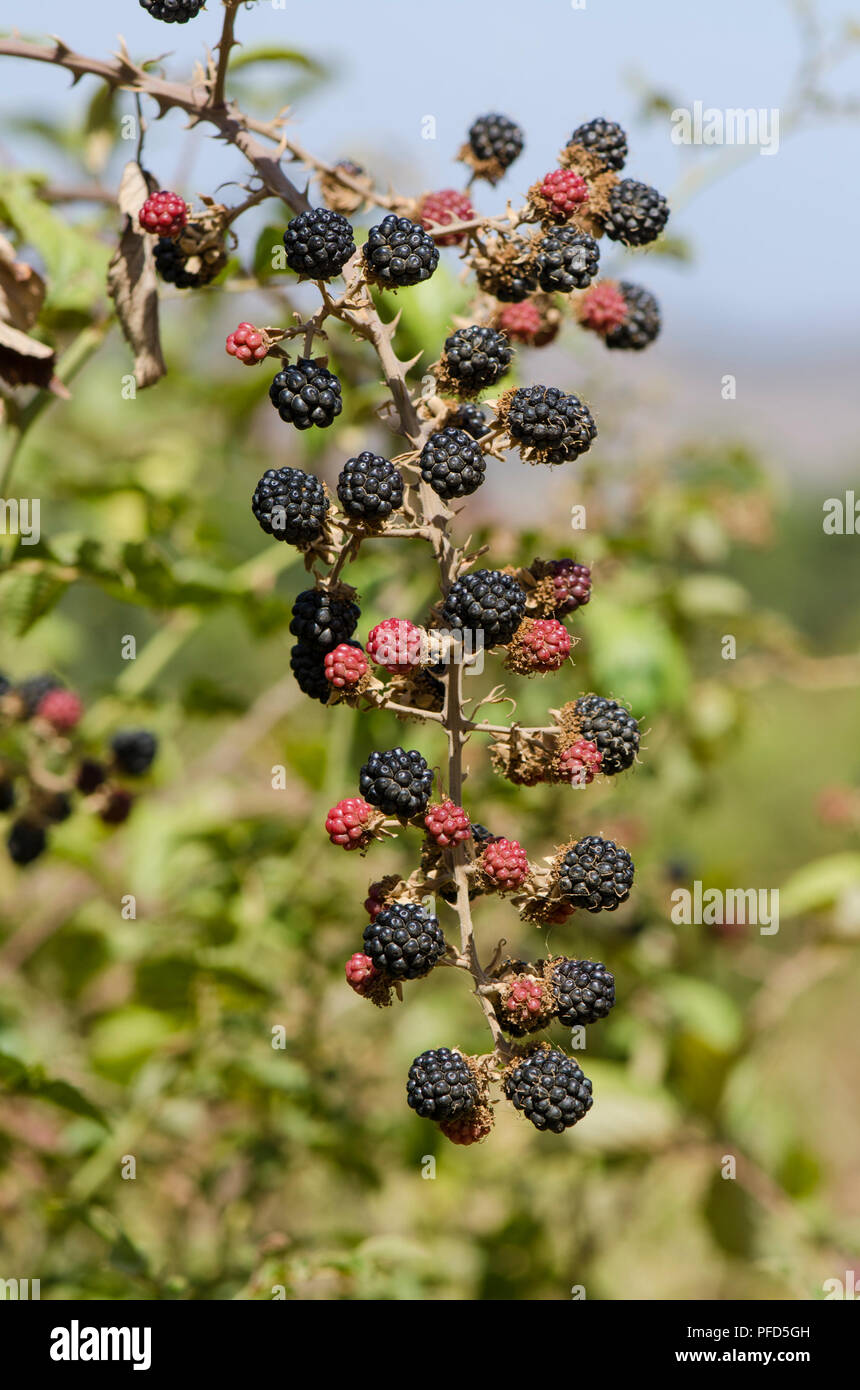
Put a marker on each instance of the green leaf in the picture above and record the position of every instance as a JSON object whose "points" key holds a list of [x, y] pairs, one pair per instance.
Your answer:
{"points": [[25, 598], [703, 1010], [635, 655], [820, 884], [75, 261], [276, 53], [19, 1079]]}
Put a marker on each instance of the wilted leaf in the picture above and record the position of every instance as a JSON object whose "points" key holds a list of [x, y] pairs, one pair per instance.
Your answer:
{"points": [[132, 282], [24, 361], [22, 289]]}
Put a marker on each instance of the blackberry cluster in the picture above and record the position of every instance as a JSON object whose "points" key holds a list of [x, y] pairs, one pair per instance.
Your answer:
{"points": [[404, 941], [322, 618], [566, 260], [496, 138], [637, 213], [550, 1089], [487, 603], [612, 727], [399, 252], [171, 263], [441, 1085], [476, 358], [370, 488], [595, 874], [606, 139], [318, 243], [470, 418], [290, 505], [306, 394], [134, 751], [584, 991], [642, 324], [452, 463], [555, 426], [397, 781], [173, 11]]}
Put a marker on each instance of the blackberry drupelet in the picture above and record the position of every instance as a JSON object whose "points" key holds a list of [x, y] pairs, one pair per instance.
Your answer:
{"points": [[173, 11], [25, 842], [398, 253], [606, 139], [306, 394], [404, 941], [441, 1085], [290, 505], [584, 991], [397, 781], [550, 1089], [319, 243], [566, 260], [452, 463], [637, 213], [554, 426], [470, 418], [475, 358], [612, 727], [487, 603], [134, 751], [642, 324], [370, 487], [307, 663], [322, 618], [595, 874], [497, 138]]}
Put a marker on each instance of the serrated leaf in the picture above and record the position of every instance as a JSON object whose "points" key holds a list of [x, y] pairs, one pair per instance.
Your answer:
{"points": [[25, 598], [75, 260]]}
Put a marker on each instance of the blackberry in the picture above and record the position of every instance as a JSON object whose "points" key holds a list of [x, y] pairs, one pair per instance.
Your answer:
{"points": [[163, 212], [553, 426], [397, 781], [90, 776], [595, 874], [117, 807], [475, 358], [612, 727], [321, 618], [7, 794], [441, 1085], [496, 139], [134, 751], [171, 263], [290, 505], [57, 807], [470, 418], [642, 323], [485, 602], [370, 487], [566, 260], [510, 281], [319, 243], [452, 463], [25, 841], [584, 991], [440, 209], [307, 663], [606, 139], [637, 213], [306, 394], [481, 835], [399, 252], [549, 1088], [173, 11], [404, 941], [5, 684], [32, 692]]}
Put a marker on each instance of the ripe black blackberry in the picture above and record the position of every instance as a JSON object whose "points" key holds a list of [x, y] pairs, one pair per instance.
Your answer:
{"points": [[470, 418], [171, 263], [595, 874], [397, 781], [642, 324], [307, 663], [134, 751], [549, 1088], [637, 213], [321, 618], [496, 138], [370, 487], [7, 794], [566, 260], [306, 394], [441, 1085], [584, 991], [404, 941], [452, 463], [399, 253], [318, 243], [509, 280], [290, 505], [475, 358], [612, 727], [606, 139], [487, 603], [550, 426], [33, 690], [25, 842], [173, 11]]}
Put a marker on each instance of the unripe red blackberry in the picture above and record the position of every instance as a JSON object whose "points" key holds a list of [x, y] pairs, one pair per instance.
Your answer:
{"points": [[349, 823], [438, 209], [447, 824], [470, 1128], [374, 902], [360, 972], [571, 583], [345, 665], [525, 1006], [602, 307], [564, 191], [396, 644], [247, 345], [61, 709], [164, 214], [521, 322], [579, 762], [504, 863], [540, 645]]}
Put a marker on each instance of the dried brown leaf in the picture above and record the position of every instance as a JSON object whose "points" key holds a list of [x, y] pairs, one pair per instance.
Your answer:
{"points": [[22, 289], [132, 283]]}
